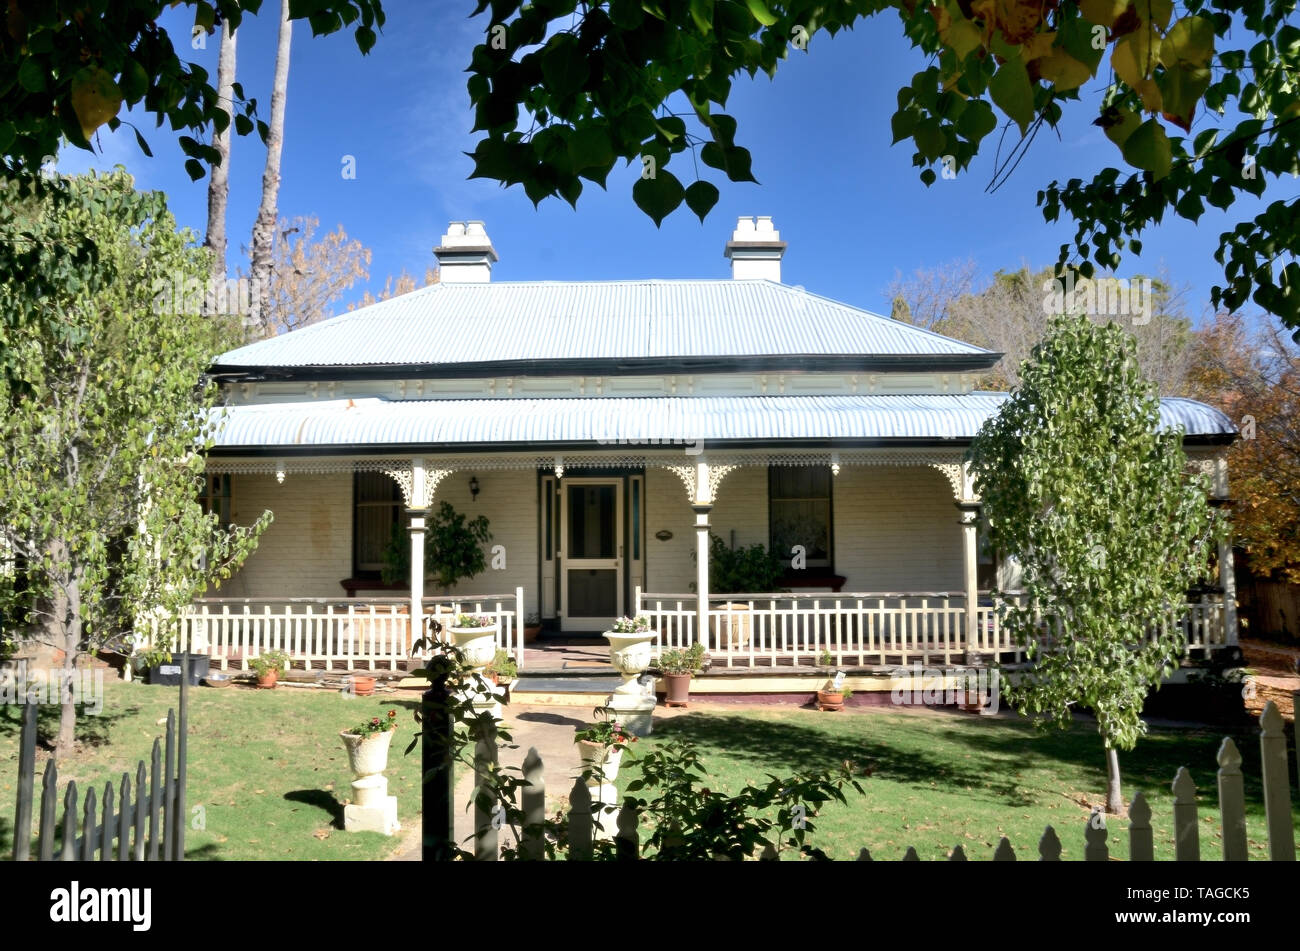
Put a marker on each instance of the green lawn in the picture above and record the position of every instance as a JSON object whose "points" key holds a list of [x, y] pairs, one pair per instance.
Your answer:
{"points": [[938, 779], [267, 766]]}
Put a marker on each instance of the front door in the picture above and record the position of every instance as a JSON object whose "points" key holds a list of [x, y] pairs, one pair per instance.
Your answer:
{"points": [[591, 553]]}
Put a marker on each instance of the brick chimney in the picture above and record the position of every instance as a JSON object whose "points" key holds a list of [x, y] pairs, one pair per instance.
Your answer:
{"points": [[465, 255], [755, 250]]}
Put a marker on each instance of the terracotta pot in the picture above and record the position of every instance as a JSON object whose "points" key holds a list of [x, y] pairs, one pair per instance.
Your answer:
{"points": [[267, 680], [678, 688], [363, 686], [830, 700], [532, 632]]}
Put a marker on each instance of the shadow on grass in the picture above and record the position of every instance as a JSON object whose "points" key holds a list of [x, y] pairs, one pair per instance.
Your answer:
{"points": [[321, 800], [782, 747], [91, 729]]}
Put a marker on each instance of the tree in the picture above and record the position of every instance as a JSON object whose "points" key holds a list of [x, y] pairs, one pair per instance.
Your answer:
{"points": [[1096, 504], [404, 284], [106, 424], [68, 67], [219, 182], [561, 97], [264, 227], [1254, 377], [309, 276], [1010, 314]]}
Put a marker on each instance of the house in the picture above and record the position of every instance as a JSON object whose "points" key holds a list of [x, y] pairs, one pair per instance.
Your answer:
{"points": [[605, 429]]}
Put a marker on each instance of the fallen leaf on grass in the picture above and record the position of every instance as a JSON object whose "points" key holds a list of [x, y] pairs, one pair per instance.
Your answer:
{"points": [[321, 834]]}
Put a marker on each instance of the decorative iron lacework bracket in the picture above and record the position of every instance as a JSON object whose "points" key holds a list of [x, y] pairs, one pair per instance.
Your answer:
{"points": [[404, 476], [688, 475]]}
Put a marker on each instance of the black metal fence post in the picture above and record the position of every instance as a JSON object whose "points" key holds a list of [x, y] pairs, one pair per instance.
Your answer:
{"points": [[437, 728]]}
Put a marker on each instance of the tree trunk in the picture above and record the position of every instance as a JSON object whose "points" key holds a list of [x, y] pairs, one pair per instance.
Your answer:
{"points": [[219, 181], [64, 621], [1114, 801], [268, 213]]}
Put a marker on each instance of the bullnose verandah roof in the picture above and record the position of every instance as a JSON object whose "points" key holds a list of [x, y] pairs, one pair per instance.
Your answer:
{"points": [[632, 421]]}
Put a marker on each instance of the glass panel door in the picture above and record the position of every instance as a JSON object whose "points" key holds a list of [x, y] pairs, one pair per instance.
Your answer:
{"points": [[592, 553]]}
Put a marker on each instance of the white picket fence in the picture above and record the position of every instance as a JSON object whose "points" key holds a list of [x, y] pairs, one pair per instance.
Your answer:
{"points": [[862, 628], [336, 634], [585, 814]]}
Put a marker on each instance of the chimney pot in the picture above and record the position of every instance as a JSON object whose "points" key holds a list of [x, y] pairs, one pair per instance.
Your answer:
{"points": [[465, 255], [755, 250]]}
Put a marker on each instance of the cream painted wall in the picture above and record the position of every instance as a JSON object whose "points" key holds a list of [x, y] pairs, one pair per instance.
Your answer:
{"points": [[307, 550], [896, 530]]}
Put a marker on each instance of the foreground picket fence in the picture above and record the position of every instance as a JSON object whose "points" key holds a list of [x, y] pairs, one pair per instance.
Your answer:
{"points": [[154, 807], [585, 816]]}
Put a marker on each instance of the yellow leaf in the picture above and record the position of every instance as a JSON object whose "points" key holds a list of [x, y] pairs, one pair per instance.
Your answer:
{"points": [[1040, 45], [95, 98], [1063, 71], [1133, 60], [963, 37], [1102, 12]]}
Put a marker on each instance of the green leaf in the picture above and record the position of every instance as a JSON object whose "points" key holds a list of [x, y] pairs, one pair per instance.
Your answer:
{"points": [[659, 196], [134, 81], [194, 168], [702, 14], [564, 68], [1013, 94], [1148, 148], [701, 196], [760, 12], [1189, 41], [31, 75]]}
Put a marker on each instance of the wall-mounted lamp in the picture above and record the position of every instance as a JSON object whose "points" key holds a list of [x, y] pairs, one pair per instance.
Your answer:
{"points": [[473, 487]]}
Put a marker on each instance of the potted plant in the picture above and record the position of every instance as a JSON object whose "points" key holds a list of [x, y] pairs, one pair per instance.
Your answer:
{"points": [[367, 744], [476, 636], [601, 747], [678, 667], [532, 627], [503, 669], [746, 569], [630, 650], [267, 667], [453, 549], [830, 699]]}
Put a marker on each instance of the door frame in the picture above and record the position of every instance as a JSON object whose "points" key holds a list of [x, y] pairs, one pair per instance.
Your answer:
{"points": [[565, 564]]}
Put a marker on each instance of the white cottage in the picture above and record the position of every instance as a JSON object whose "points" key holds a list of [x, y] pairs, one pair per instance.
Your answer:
{"points": [[605, 429]]}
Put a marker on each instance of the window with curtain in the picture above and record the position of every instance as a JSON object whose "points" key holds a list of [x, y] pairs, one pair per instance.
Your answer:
{"points": [[799, 512], [377, 515]]}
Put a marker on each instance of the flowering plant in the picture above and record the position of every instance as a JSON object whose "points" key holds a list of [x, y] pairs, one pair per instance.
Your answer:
{"points": [[376, 725], [474, 620], [630, 625], [609, 733]]}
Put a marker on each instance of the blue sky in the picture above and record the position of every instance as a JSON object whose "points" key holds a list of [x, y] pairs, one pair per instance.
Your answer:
{"points": [[849, 204]]}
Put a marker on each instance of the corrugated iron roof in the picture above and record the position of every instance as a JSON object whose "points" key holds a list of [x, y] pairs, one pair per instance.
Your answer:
{"points": [[594, 320], [636, 420]]}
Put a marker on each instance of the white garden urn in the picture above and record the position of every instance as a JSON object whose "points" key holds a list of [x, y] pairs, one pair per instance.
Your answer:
{"points": [[479, 647], [630, 655], [367, 755], [601, 760], [371, 808], [478, 644], [632, 704], [600, 765]]}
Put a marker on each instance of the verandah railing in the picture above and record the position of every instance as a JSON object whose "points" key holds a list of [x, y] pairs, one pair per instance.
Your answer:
{"points": [[334, 633], [864, 628]]}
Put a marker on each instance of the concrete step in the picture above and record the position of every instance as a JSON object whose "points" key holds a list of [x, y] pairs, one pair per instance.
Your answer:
{"points": [[563, 690]]}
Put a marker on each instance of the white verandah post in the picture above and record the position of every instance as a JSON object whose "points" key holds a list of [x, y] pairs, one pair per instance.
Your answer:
{"points": [[702, 505], [969, 507], [418, 510], [1227, 573]]}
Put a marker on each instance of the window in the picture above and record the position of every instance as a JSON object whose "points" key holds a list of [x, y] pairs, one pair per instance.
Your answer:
{"points": [[215, 497], [799, 499], [377, 517]]}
